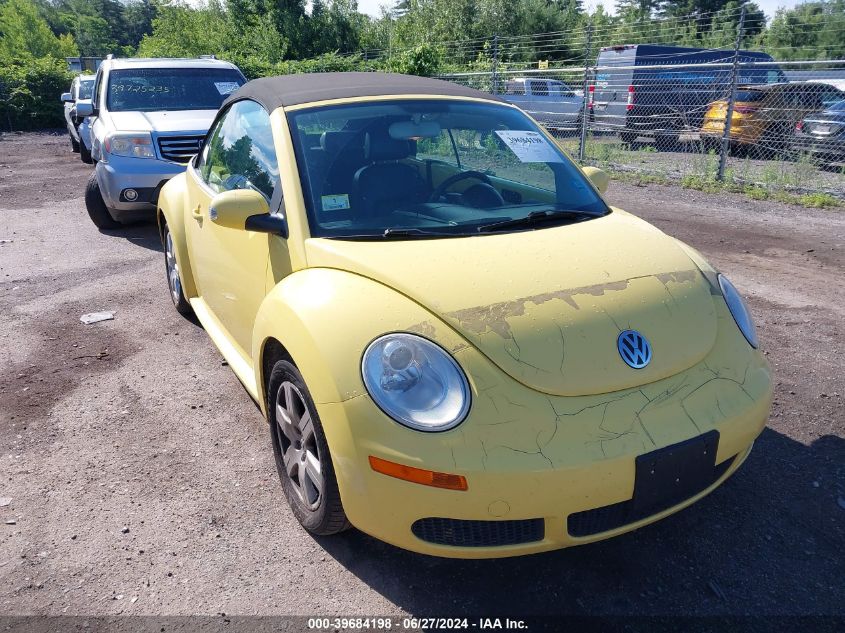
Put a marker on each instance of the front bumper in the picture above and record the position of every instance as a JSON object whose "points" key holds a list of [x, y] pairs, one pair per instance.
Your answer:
{"points": [[543, 461], [145, 176]]}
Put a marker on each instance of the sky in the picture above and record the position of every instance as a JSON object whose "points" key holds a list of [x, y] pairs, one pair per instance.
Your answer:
{"points": [[371, 7]]}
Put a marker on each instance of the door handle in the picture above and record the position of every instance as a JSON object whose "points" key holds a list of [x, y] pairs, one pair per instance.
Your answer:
{"points": [[197, 213]]}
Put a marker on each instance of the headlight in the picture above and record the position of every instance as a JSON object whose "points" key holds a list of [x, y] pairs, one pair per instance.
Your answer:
{"points": [[739, 311], [415, 382], [138, 145]]}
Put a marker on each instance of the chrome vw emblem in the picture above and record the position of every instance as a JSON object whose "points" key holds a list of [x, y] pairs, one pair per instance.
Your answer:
{"points": [[634, 349]]}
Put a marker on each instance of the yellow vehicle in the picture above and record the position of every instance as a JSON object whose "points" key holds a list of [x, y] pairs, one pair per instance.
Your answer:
{"points": [[461, 349], [764, 116]]}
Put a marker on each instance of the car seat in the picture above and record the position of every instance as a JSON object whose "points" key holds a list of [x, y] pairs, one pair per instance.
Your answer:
{"points": [[387, 184]]}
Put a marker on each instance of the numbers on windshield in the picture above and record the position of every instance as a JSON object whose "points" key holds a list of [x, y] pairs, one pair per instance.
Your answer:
{"points": [[140, 88]]}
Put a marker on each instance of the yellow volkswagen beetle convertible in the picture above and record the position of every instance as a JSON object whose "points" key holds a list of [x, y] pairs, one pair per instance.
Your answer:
{"points": [[461, 349]]}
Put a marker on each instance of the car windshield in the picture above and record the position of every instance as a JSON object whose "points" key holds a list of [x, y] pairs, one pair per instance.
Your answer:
{"points": [[432, 168], [86, 87], [151, 89]]}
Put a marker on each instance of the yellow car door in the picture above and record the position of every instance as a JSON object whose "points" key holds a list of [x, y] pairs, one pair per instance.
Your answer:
{"points": [[230, 264]]}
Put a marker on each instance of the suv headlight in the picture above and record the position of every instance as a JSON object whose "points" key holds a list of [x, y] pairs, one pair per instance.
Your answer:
{"points": [[415, 382], [739, 311], [136, 145]]}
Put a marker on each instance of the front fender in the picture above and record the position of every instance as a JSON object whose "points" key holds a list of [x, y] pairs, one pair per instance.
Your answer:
{"points": [[172, 205], [325, 318]]}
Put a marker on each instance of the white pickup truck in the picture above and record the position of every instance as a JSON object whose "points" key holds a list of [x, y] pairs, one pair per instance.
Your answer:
{"points": [[552, 103]]}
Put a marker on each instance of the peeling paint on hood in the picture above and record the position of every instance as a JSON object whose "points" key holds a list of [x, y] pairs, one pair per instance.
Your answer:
{"points": [[547, 306]]}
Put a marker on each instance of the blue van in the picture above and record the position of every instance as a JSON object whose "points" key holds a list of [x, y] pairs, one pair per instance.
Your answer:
{"points": [[658, 91]]}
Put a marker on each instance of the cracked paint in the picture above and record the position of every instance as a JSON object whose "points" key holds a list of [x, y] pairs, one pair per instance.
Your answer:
{"points": [[563, 342], [516, 428], [495, 317]]}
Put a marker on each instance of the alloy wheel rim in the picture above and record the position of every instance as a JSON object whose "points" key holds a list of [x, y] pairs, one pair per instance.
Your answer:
{"points": [[173, 281], [298, 445]]}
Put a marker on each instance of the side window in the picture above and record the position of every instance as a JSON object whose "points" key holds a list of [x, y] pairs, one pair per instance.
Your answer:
{"points": [[540, 88], [515, 87], [98, 84], [240, 152]]}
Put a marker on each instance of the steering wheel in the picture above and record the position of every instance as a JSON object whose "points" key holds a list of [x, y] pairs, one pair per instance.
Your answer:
{"points": [[451, 180]]}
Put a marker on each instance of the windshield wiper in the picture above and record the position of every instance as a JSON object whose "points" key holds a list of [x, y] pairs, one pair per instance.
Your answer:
{"points": [[403, 233], [397, 234], [536, 218]]}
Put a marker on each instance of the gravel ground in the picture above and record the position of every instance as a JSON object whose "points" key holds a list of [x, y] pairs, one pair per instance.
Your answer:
{"points": [[142, 481]]}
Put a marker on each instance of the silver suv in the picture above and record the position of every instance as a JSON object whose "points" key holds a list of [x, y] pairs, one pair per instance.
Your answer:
{"points": [[151, 116]]}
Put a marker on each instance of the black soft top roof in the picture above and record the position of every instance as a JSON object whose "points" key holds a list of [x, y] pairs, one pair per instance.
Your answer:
{"points": [[289, 90]]}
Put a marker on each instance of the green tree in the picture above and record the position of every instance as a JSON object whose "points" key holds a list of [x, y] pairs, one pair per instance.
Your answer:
{"points": [[811, 30], [180, 30], [24, 33]]}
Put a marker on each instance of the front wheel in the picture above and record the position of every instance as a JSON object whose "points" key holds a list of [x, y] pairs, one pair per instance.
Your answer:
{"points": [[302, 454], [74, 145], [96, 206], [174, 280]]}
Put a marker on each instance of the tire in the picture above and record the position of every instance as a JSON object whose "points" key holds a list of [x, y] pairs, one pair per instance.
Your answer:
{"points": [[74, 145], [628, 137], [96, 206], [666, 142], [174, 280], [85, 154], [298, 440], [711, 144]]}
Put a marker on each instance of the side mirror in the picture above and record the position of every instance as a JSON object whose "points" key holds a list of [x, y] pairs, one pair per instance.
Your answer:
{"points": [[66, 97], [84, 109], [246, 210], [599, 178]]}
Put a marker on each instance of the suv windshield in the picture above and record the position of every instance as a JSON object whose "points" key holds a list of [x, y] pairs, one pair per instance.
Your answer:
{"points": [[431, 168], [151, 89], [86, 87]]}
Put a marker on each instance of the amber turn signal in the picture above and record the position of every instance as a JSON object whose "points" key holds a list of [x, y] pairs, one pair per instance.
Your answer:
{"points": [[418, 475]]}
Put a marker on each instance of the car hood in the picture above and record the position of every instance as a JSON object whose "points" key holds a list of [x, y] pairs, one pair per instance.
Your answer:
{"points": [[166, 121], [547, 306]]}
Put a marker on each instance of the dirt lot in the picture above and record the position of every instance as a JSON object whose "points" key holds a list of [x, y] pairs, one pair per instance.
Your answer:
{"points": [[142, 481]]}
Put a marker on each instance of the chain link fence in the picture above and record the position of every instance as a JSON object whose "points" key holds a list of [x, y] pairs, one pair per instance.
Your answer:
{"points": [[700, 116]]}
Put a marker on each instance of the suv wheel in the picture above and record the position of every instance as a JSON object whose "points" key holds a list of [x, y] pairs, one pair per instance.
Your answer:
{"points": [[85, 154], [302, 454], [174, 281], [74, 145], [96, 206]]}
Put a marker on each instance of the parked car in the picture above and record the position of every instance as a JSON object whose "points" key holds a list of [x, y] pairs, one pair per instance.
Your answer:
{"points": [[552, 103], [151, 116], [822, 135], [340, 237], [764, 117], [80, 91], [657, 91]]}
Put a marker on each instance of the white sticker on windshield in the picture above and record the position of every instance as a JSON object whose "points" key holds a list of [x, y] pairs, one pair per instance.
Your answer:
{"points": [[529, 147], [226, 87], [336, 202]]}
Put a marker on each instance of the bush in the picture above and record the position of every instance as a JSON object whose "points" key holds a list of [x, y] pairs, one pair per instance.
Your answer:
{"points": [[30, 91], [424, 60]]}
